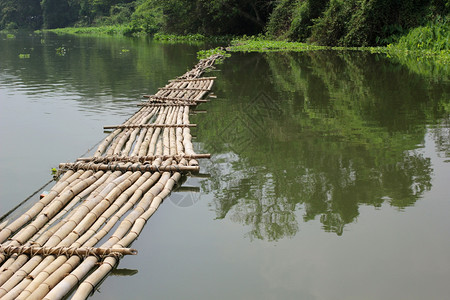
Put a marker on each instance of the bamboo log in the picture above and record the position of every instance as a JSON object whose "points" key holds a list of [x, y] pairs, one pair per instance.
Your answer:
{"points": [[121, 230], [49, 262], [149, 126], [192, 79], [55, 265], [176, 99], [134, 167], [153, 104], [182, 89], [36, 209], [177, 157], [67, 251], [88, 284]]}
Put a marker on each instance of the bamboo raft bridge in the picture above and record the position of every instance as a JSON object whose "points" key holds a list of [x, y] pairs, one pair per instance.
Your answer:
{"points": [[53, 248]]}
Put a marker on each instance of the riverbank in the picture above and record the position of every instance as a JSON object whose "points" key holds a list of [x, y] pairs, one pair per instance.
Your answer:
{"points": [[422, 61], [424, 50], [99, 30]]}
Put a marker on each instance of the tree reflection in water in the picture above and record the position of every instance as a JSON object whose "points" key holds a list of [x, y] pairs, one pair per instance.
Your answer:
{"points": [[321, 133]]}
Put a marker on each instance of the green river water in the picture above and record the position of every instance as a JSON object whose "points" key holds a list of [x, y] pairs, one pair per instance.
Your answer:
{"points": [[329, 176]]}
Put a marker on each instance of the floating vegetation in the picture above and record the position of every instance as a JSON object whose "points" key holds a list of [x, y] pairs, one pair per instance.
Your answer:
{"points": [[61, 51], [202, 54], [125, 50], [178, 38], [24, 55], [94, 31], [10, 36]]}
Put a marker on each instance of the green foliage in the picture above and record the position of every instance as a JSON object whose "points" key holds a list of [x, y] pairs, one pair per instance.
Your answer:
{"points": [[303, 19], [16, 14], [118, 14], [147, 19], [24, 55], [175, 37], [332, 25], [196, 38], [281, 18], [94, 31], [214, 17], [293, 19], [434, 36], [61, 51], [349, 23], [58, 13], [202, 54], [259, 44], [368, 22]]}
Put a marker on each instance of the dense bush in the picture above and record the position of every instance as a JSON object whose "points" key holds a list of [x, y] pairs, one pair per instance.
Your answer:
{"points": [[280, 20], [304, 15], [332, 25], [434, 36], [351, 22], [148, 19]]}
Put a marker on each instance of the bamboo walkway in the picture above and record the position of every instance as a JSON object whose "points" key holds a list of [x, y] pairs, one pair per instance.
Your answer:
{"points": [[54, 247]]}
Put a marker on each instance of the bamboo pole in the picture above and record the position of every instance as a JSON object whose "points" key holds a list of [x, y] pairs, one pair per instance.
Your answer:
{"points": [[175, 99], [134, 167], [36, 208], [52, 266], [156, 104], [27, 268], [59, 274], [192, 79], [86, 287], [176, 157], [182, 89], [67, 251], [148, 126]]}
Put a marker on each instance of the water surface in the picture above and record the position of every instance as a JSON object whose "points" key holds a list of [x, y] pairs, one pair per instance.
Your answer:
{"points": [[328, 178]]}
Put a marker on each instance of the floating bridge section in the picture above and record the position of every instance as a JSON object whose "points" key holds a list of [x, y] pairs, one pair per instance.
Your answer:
{"points": [[54, 247]]}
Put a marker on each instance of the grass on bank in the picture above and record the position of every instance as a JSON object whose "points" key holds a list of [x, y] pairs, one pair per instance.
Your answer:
{"points": [[259, 44], [100, 30]]}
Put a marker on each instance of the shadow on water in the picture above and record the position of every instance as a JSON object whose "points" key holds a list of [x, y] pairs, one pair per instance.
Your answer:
{"points": [[320, 133]]}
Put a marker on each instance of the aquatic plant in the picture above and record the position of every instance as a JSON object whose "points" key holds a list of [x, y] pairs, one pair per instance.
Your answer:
{"points": [[202, 54], [61, 51]]}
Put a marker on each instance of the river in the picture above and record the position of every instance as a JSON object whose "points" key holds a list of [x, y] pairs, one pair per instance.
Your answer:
{"points": [[329, 176]]}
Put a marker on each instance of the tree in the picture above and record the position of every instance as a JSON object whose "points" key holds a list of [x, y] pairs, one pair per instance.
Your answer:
{"points": [[20, 14], [59, 13]]}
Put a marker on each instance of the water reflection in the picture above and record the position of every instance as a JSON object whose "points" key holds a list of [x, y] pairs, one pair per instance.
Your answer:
{"points": [[99, 72], [321, 133]]}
